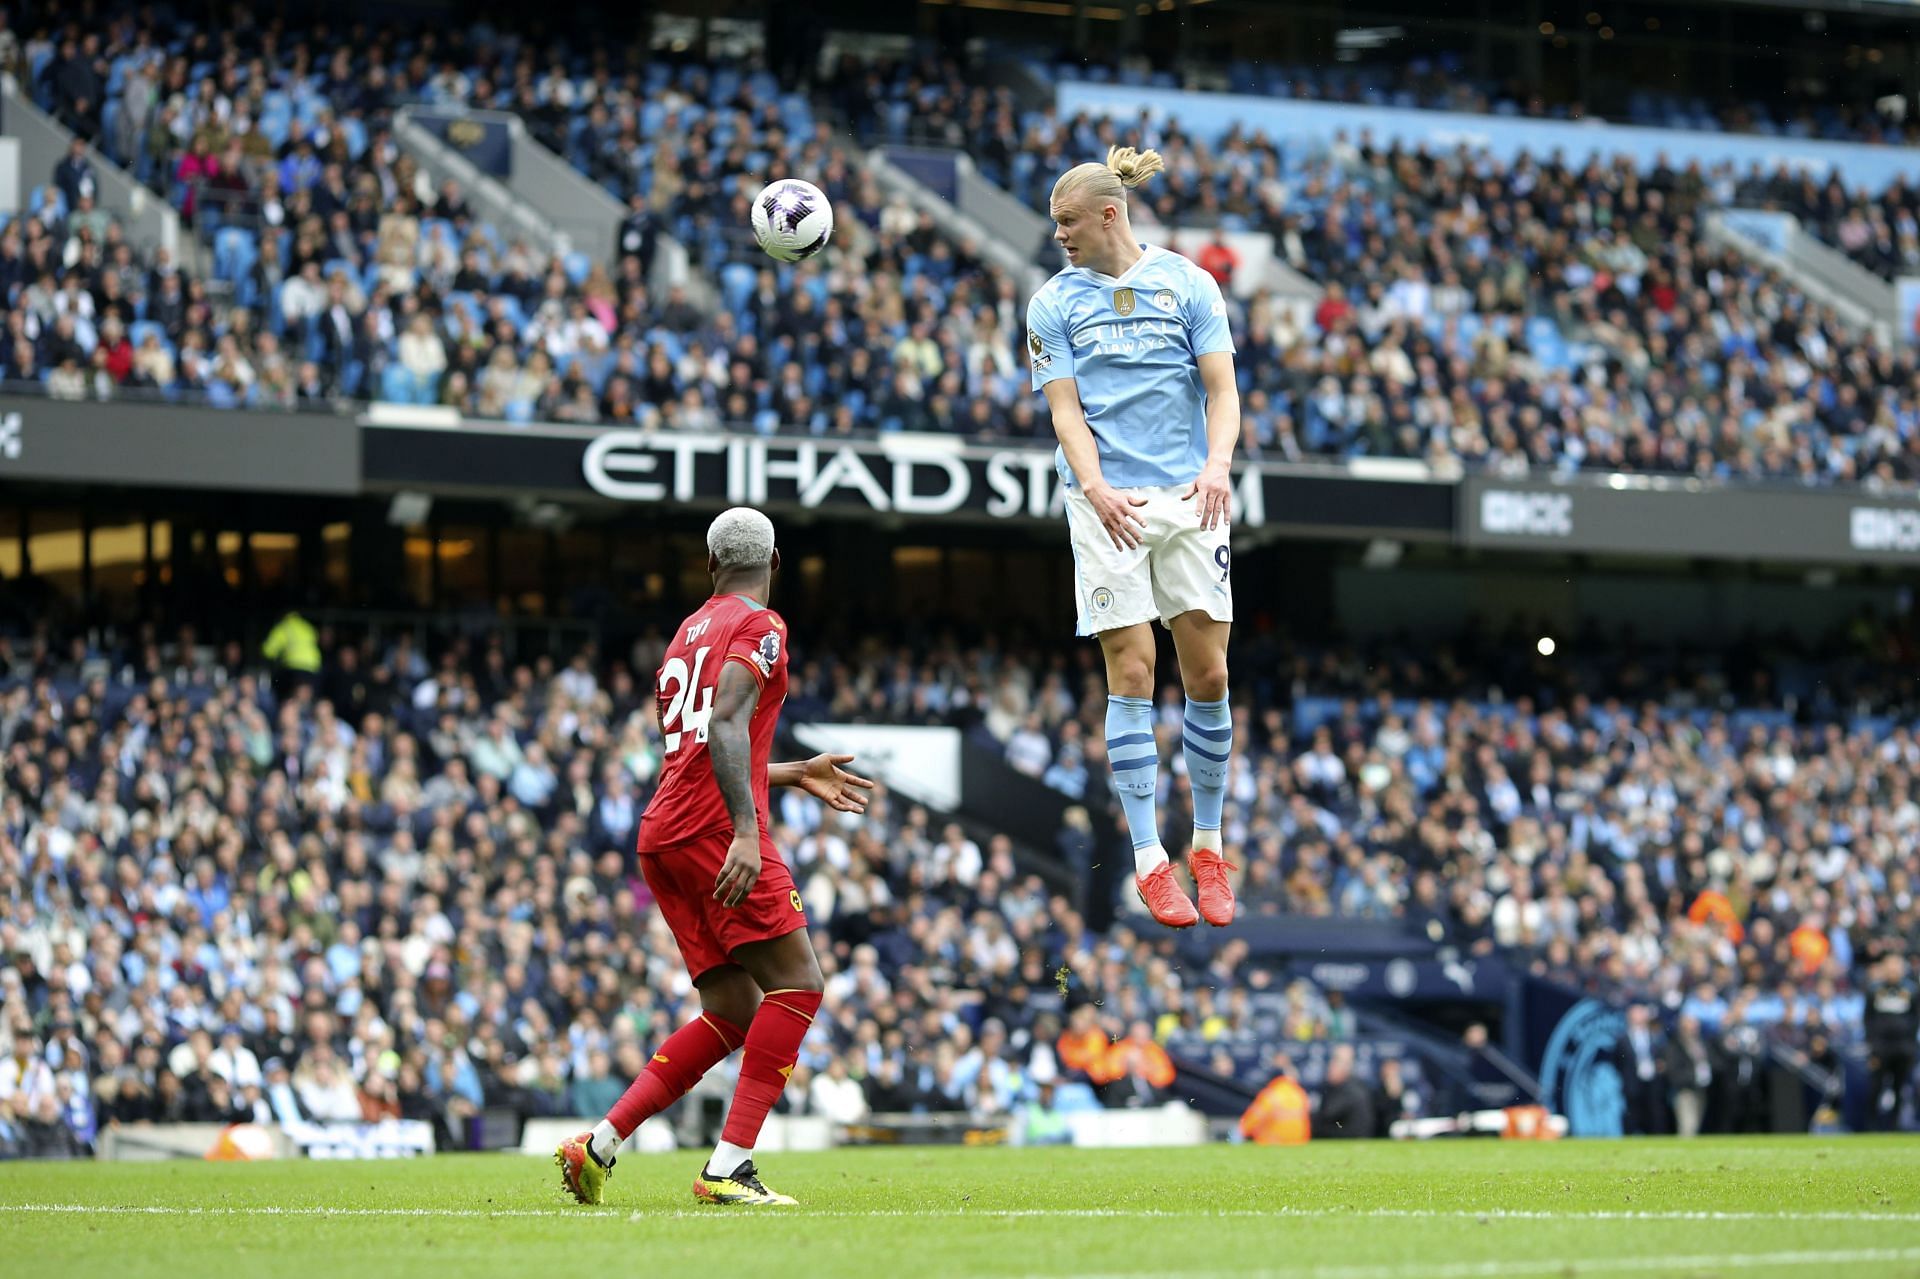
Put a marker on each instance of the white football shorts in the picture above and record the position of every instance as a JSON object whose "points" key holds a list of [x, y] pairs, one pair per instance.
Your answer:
{"points": [[1178, 567]]}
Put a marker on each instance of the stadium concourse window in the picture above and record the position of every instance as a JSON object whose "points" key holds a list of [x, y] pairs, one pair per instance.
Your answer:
{"points": [[580, 559], [276, 560], [918, 576], [10, 548], [522, 556], [447, 565], [118, 554], [56, 551], [336, 556], [230, 552]]}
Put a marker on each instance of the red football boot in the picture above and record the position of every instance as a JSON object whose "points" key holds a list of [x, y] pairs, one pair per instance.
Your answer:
{"points": [[1213, 886], [1165, 899]]}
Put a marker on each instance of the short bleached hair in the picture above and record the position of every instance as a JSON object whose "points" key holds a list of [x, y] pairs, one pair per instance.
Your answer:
{"points": [[741, 537]]}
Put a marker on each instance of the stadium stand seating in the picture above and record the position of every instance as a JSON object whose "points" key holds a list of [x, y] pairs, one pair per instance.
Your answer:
{"points": [[1544, 317], [406, 891], [406, 885]]}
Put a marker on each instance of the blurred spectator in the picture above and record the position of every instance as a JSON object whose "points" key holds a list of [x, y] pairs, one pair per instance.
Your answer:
{"points": [[1281, 1114], [1346, 1109], [1689, 1071]]}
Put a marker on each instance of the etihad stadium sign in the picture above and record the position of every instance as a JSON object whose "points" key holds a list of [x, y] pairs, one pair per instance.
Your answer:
{"points": [[908, 478], [900, 475]]}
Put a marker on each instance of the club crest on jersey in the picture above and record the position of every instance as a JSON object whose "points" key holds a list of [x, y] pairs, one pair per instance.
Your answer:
{"points": [[1123, 301], [1164, 299], [768, 653], [1102, 599], [793, 898]]}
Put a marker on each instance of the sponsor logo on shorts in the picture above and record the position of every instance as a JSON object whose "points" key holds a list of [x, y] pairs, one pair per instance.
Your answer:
{"points": [[1123, 301], [793, 898], [1102, 599], [1165, 300]]}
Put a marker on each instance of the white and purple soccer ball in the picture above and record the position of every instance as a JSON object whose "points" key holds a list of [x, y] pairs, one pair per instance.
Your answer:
{"points": [[792, 219]]}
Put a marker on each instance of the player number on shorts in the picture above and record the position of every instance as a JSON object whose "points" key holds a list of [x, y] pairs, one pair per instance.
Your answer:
{"points": [[689, 706], [1224, 558]]}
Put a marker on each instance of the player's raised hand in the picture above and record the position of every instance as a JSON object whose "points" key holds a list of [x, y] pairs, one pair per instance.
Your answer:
{"points": [[1118, 515], [1214, 488], [739, 872], [824, 779]]}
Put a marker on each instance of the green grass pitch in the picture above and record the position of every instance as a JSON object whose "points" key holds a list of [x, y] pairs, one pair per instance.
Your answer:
{"points": [[1756, 1206]]}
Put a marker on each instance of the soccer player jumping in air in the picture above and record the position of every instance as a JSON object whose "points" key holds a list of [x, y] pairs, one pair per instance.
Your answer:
{"points": [[1131, 345], [720, 882]]}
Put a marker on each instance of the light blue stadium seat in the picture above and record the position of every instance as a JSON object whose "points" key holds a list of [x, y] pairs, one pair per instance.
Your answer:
{"points": [[396, 384], [736, 285], [234, 253]]}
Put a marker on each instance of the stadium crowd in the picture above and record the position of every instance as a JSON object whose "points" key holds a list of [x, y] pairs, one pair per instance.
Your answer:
{"points": [[1546, 315], [1542, 316], [340, 271], [401, 885]]}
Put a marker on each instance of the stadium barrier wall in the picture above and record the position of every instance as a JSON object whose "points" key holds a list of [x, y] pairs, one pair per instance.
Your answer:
{"points": [[899, 474], [151, 1143], [1173, 1124], [389, 1139], [1652, 515], [12, 189], [926, 477], [1169, 1125], [170, 446], [782, 1133], [1212, 114], [921, 763]]}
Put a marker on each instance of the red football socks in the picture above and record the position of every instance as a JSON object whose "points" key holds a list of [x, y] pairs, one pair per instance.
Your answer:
{"points": [[773, 1045], [689, 1053]]}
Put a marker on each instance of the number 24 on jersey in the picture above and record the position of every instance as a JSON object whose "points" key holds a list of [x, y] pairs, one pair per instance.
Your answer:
{"points": [[689, 702]]}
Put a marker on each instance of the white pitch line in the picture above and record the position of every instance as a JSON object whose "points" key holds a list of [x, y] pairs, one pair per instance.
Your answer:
{"points": [[1711, 1263], [710, 1214]]}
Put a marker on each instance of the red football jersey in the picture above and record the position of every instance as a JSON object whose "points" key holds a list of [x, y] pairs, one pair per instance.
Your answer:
{"points": [[728, 628]]}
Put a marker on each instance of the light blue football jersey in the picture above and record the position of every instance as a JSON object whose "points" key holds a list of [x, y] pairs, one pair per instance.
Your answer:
{"points": [[1133, 343]]}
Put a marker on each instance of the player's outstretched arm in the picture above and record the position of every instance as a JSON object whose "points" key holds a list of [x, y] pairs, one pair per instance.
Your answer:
{"points": [[730, 749], [1115, 509], [824, 779], [1214, 487]]}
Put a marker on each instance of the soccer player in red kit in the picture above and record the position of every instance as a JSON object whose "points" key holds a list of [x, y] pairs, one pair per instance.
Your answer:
{"points": [[721, 884]]}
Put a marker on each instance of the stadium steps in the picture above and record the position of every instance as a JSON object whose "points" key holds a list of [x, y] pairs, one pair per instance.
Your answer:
{"points": [[996, 224], [547, 201], [1817, 269], [149, 221]]}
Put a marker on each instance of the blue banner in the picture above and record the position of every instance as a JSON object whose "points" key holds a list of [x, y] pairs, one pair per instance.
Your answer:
{"points": [[1485, 978], [934, 170], [486, 144], [1212, 114]]}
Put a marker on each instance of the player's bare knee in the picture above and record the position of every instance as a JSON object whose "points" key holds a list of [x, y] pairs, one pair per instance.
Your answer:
{"points": [[800, 972], [729, 993], [1129, 674], [1207, 684]]}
